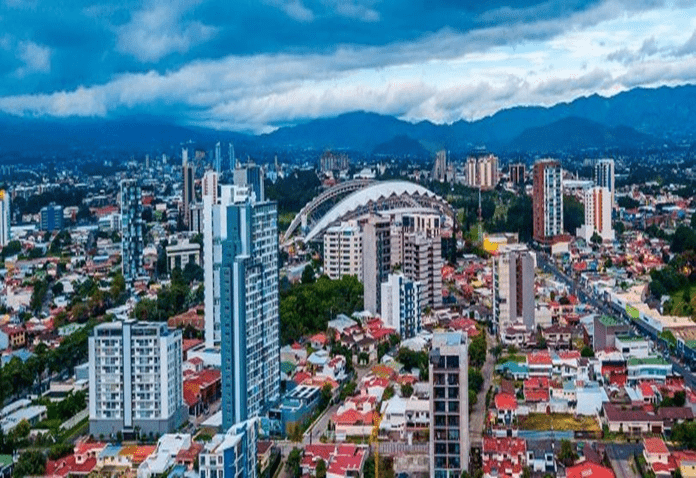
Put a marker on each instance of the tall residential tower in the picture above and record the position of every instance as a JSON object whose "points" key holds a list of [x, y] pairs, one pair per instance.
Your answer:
{"points": [[132, 230], [547, 201]]}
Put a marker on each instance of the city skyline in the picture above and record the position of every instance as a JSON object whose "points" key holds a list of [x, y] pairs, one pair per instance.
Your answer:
{"points": [[257, 67]]}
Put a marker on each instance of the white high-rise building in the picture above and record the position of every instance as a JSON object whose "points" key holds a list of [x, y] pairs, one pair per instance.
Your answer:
{"points": [[449, 405], [218, 157], [598, 204], [5, 217], [135, 378], [482, 171], [604, 176], [343, 251], [210, 185], [513, 288], [401, 308]]}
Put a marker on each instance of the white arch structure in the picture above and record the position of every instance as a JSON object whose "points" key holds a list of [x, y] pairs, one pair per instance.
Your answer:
{"points": [[381, 196]]}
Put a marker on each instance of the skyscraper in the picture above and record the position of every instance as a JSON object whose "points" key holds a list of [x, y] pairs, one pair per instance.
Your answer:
{"points": [[135, 378], [5, 217], [376, 260], [242, 301], [422, 262], [218, 157], [401, 308], [187, 191], [597, 214], [210, 185], [513, 288], [132, 230], [251, 175], [604, 176], [449, 405], [547, 201], [231, 157], [482, 171]]}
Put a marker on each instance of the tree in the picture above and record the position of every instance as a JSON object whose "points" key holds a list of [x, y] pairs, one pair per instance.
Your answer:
{"points": [[293, 464], [30, 463], [684, 239], [573, 214], [567, 455], [406, 390], [308, 275], [326, 395], [596, 238], [475, 379], [477, 350], [587, 352], [321, 469]]}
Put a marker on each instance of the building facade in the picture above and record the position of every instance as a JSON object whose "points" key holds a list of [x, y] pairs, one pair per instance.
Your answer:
{"points": [[482, 171], [401, 308], [597, 215], [449, 405], [231, 454], [547, 201], [187, 193], [604, 176], [251, 176], [5, 218], [376, 260], [51, 217], [135, 378], [517, 173], [513, 288], [132, 230], [343, 251], [422, 262]]}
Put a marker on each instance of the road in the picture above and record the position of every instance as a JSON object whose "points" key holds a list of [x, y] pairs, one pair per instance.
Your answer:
{"points": [[621, 456], [478, 414]]}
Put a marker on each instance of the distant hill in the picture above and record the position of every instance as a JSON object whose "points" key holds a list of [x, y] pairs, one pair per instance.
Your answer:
{"points": [[401, 146], [639, 117], [578, 133]]}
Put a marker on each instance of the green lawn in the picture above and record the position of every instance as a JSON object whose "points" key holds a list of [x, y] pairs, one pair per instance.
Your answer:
{"points": [[678, 306]]}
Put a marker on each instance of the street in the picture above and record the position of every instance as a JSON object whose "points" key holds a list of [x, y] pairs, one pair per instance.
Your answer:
{"points": [[621, 456], [478, 414]]}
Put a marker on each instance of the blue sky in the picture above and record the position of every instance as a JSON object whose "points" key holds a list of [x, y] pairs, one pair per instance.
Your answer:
{"points": [[256, 65]]}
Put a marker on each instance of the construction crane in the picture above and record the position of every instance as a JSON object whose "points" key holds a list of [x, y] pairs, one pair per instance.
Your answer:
{"points": [[374, 441]]}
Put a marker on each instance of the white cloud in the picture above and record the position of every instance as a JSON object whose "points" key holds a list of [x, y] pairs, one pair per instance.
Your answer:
{"points": [[295, 9], [159, 29], [36, 58], [443, 77]]}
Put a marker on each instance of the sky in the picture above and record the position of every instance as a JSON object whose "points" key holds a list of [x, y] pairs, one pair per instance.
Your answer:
{"points": [[256, 65]]}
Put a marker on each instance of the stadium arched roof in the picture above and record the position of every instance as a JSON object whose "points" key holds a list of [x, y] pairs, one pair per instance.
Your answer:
{"points": [[380, 196]]}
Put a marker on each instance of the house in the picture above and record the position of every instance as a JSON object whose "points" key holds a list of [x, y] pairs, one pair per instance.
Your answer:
{"points": [[263, 453], [541, 456], [352, 423], [404, 417], [80, 463], [630, 421], [506, 406], [164, 456], [540, 364], [12, 336], [674, 415], [558, 336], [335, 368], [344, 460], [657, 456], [318, 341], [503, 457], [518, 371], [650, 368], [536, 390], [587, 469]]}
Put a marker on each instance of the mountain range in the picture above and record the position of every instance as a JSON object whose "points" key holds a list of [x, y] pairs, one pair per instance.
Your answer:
{"points": [[637, 118]]}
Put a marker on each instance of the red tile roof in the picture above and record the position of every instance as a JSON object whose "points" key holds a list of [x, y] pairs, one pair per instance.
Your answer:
{"points": [[504, 401], [587, 469], [539, 358], [67, 466], [353, 417], [655, 446], [507, 446]]}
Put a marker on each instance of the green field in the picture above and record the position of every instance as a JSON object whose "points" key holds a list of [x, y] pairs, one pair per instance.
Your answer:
{"points": [[558, 421], [680, 307]]}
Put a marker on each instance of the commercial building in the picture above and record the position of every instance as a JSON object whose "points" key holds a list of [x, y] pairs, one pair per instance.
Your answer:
{"points": [[333, 162], [132, 230], [513, 288], [135, 378], [51, 217], [604, 176], [343, 251], [401, 308], [605, 331], [180, 255], [376, 260], [547, 199], [482, 171], [251, 175], [598, 204], [5, 217], [188, 194], [449, 405], [517, 173]]}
